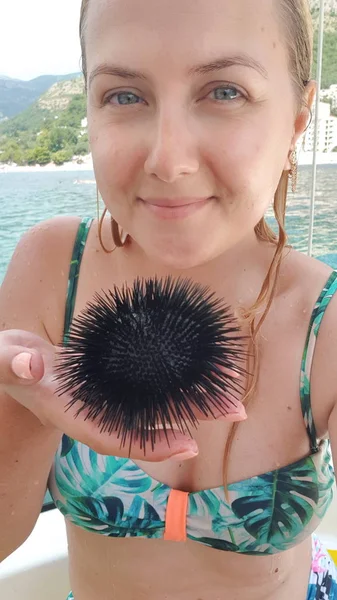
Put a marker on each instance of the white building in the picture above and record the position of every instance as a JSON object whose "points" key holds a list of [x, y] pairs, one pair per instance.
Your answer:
{"points": [[327, 131]]}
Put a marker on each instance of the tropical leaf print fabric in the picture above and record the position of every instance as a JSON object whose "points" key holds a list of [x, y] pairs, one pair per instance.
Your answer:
{"points": [[316, 319], [115, 502], [74, 272], [265, 514]]}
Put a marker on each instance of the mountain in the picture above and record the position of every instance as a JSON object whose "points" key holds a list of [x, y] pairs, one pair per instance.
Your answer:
{"points": [[17, 95]]}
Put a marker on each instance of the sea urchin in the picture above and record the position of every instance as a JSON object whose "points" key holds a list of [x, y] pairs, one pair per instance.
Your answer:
{"points": [[142, 359]]}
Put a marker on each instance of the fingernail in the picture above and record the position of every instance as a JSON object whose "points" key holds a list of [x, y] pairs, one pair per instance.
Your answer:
{"points": [[239, 415], [187, 455], [21, 365], [233, 418]]}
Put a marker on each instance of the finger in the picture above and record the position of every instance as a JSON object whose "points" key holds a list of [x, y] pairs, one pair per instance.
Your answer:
{"points": [[230, 372], [230, 412], [225, 406], [78, 426], [174, 445], [19, 365]]}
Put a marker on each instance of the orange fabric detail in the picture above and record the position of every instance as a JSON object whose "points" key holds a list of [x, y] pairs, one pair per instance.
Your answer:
{"points": [[176, 516]]}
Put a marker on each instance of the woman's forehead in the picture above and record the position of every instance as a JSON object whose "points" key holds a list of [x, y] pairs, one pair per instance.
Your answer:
{"points": [[130, 28], [165, 13]]}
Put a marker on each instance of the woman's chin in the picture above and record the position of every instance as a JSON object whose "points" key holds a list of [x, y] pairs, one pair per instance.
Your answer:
{"points": [[180, 260]]}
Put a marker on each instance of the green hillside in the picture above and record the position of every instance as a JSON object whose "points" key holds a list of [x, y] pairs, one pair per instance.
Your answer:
{"points": [[49, 130], [329, 72]]}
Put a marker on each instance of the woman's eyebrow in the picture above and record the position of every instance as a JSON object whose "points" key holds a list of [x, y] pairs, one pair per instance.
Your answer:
{"points": [[229, 61], [210, 67], [117, 71]]}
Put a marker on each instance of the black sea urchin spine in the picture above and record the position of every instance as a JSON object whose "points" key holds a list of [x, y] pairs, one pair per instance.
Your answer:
{"points": [[148, 356]]}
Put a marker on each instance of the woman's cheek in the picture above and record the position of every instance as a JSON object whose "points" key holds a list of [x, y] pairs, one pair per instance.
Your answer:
{"points": [[113, 158], [240, 166], [255, 160]]}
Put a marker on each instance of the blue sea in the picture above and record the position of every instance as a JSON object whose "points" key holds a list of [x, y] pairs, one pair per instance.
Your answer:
{"points": [[27, 198]]}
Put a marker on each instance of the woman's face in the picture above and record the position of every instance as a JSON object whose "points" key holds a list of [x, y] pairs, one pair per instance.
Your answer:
{"points": [[190, 102]]}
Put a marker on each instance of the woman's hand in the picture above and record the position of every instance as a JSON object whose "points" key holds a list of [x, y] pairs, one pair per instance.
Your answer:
{"points": [[27, 375]]}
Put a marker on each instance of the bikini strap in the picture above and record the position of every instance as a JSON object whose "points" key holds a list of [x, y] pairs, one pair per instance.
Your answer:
{"points": [[74, 271], [315, 322]]}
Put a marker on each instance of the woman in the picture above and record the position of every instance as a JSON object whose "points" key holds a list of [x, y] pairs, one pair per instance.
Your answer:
{"points": [[194, 111]]}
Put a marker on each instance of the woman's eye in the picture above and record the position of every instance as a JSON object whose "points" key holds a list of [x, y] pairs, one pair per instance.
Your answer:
{"points": [[123, 99], [226, 93]]}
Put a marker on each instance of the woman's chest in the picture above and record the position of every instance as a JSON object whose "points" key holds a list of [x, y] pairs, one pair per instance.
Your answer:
{"points": [[274, 434], [118, 497]]}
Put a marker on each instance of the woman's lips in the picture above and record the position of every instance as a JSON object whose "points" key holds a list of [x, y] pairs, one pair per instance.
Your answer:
{"points": [[174, 209]]}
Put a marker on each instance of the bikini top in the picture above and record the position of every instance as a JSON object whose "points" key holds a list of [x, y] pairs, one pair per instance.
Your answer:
{"points": [[265, 514]]}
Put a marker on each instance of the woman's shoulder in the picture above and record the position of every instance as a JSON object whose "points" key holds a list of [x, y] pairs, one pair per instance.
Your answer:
{"points": [[316, 286], [31, 292], [50, 232], [49, 244], [43, 256], [312, 286], [44, 246], [305, 272], [75, 266]]}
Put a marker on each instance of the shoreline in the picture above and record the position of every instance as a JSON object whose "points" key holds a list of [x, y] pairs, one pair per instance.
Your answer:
{"points": [[72, 165], [305, 159]]}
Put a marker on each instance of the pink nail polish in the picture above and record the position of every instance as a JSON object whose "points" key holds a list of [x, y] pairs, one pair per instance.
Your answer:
{"points": [[238, 415], [21, 365]]}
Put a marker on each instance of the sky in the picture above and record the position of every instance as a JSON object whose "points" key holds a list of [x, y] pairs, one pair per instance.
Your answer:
{"points": [[39, 37]]}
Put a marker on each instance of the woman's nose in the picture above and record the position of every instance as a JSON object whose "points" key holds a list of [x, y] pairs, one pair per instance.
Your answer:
{"points": [[173, 152]]}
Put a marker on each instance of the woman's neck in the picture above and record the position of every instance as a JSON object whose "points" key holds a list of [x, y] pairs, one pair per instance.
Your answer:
{"points": [[237, 275]]}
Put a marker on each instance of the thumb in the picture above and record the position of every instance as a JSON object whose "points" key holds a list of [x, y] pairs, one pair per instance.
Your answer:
{"points": [[21, 365], [27, 366]]}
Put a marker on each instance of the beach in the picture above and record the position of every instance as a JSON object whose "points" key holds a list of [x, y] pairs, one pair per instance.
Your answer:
{"points": [[85, 164]]}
